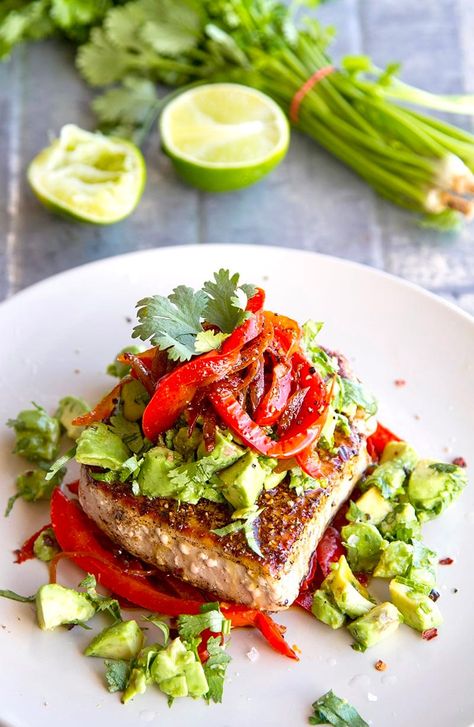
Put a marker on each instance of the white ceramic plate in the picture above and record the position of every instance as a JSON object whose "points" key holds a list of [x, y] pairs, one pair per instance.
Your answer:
{"points": [[56, 339]]}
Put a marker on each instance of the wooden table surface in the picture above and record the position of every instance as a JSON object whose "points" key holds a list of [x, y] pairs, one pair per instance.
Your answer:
{"points": [[311, 201]]}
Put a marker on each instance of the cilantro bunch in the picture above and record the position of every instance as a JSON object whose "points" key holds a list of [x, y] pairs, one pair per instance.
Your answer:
{"points": [[190, 322]]}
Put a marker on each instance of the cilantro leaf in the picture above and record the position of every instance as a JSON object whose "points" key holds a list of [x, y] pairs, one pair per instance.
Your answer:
{"points": [[191, 626], [16, 597], [59, 464], [353, 392], [20, 22], [331, 709], [129, 432], [215, 668], [227, 300], [177, 27], [129, 109], [208, 341], [172, 323], [247, 524], [116, 675]]}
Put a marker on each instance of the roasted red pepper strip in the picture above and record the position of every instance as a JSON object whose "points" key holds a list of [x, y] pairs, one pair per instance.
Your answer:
{"points": [[244, 333], [104, 408], [377, 441], [75, 533], [276, 398], [177, 389], [287, 331], [140, 370], [329, 550], [26, 551], [257, 301], [234, 415]]}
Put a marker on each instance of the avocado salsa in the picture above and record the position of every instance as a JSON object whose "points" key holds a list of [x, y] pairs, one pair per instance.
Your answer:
{"points": [[231, 401]]}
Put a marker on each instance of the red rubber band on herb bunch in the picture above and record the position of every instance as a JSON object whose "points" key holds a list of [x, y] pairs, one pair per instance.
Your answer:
{"points": [[306, 88]]}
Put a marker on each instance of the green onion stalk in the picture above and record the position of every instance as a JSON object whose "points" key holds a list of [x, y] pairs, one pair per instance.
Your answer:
{"points": [[356, 111]]}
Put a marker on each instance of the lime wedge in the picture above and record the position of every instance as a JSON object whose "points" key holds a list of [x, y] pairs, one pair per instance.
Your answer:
{"points": [[224, 136], [89, 177]]}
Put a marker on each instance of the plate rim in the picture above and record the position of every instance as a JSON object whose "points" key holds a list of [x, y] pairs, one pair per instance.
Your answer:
{"points": [[345, 262]]}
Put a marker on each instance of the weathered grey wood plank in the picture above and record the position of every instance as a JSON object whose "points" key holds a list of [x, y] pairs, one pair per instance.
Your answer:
{"points": [[311, 201]]}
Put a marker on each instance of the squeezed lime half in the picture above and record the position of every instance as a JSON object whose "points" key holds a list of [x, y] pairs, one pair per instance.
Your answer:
{"points": [[88, 176], [224, 136]]}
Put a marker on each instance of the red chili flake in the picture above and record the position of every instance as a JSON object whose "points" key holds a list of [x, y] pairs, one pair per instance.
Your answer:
{"points": [[296, 648], [400, 382], [429, 634], [460, 461], [380, 665], [363, 578], [446, 561]]}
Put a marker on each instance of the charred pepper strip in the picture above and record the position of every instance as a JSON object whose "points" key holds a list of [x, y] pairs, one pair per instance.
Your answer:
{"points": [[104, 408]]}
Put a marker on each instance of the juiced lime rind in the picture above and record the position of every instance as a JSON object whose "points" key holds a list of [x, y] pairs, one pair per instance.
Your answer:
{"points": [[112, 202], [194, 139]]}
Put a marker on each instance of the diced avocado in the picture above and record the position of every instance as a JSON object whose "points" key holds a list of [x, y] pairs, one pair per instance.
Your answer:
{"points": [[243, 481], [423, 566], [37, 435], [171, 661], [433, 486], [137, 684], [46, 546], [402, 452], [100, 447], [389, 477], [350, 596], [374, 505], [175, 686], [364, 546], [134, 398], [153, 478], [395, 560], [196, 680], [401, 524], [225, 453], [273, 479], [376, 625], [123, 640], [187, 445], [326, 437], [69, 408], [416, 607], [325, 609], [56, 605]]}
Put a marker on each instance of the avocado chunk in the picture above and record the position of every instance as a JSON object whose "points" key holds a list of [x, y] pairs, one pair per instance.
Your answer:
{"points": [[46, 546], [187, 445], [243, 481], [56, 605], [422, 570], [224, 454], [401, 524], [395, 560], [416, 607], [433, 486], [389, 477], [134, 398], [325, 610], [376, 625], [153, 478], [349, 595], [373, 504], [177, 671], [69, 408], [98, 446], [402, 452], [119, 369], [37, 435], [273, 479], [364, 546], [123, 640], [137, 684]]}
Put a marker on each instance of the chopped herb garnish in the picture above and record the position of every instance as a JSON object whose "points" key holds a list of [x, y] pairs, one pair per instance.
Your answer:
{"points": [[331, 709]]}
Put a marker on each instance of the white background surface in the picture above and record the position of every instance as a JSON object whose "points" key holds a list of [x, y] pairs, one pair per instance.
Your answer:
{"points": [[56, 339]]}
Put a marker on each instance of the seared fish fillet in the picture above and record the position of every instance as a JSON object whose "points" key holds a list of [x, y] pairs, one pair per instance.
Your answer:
{"points": [[178, 538]]}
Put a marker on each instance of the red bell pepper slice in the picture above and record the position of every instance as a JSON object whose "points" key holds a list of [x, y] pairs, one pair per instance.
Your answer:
{"points": [[140, 370], [257, 301], [75, 533], [379, 439], [329, 550], [104, 408], [287, 331], [234, 415], [276, 398], [26, 551], [177, 389]]}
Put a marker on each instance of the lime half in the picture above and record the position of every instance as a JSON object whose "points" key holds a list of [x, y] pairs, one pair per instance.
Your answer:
{"points": [[224, 136], [90, 177]]}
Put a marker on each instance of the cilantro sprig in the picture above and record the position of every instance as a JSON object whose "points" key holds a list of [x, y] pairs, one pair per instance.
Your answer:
{"points": [[176, 323]]}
